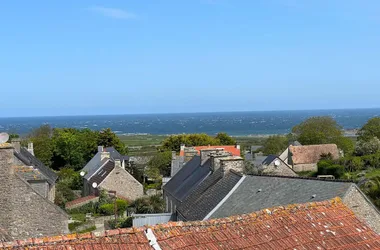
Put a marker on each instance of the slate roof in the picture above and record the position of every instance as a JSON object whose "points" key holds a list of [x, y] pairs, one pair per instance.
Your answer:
{"points": [[232, 149], [317, 225], [188, 178], [28, 159], [29, 173], [208, 194], [115, 154], [278, 191], [258, 160], [103, 172], [92, 167]]}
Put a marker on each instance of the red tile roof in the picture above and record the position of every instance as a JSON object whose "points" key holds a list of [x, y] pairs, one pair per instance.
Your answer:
{"points": [[232, 149], [319, 225]]}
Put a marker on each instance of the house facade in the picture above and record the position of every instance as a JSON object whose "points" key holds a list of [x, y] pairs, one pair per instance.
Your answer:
{"points": [[106, 171], [32, 170], [24, 212]]}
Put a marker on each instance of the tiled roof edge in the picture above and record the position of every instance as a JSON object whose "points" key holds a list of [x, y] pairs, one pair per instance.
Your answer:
{"points": [[32, 242], [302, 178]]}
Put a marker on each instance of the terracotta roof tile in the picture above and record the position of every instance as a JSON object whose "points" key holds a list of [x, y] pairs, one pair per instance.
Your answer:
{"points": [[232, 149], [320, 225]]}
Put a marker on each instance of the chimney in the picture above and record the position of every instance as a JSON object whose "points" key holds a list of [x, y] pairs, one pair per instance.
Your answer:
{"points": [[190, 153], [237, 146], [235, 163], [100, 148], [174, 155], [118, 164], [30, 148], [215, 159], [16, 143], [6, 162], [205, 153], [104, 155]]}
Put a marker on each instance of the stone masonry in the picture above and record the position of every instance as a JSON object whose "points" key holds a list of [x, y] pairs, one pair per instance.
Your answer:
{"points": [[124, 183], [363, 208], [235, 163], [23, 212]]}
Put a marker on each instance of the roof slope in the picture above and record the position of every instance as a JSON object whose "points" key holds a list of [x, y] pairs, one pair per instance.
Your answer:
{"points": [[259, 192], [232, 149], [318, 225], [28, 159], [208, 195], [115, 154], [103, 172], [188, 178], [113, 239], [322, 225], [312, 153]]}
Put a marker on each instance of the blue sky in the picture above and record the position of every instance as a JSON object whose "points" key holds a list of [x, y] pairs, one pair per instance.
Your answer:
{"points": [[124, 57]]}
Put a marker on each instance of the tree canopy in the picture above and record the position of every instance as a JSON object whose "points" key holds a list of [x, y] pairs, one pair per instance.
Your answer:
{"points": [[70, 147], [275, 145], [174, 142], [160, 164], [322, 130], [370, 130]]}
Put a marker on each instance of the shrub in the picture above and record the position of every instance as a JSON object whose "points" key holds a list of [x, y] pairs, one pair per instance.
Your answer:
{"points": [[327, 167], [87, 208], [107, 209], [120, 223]]}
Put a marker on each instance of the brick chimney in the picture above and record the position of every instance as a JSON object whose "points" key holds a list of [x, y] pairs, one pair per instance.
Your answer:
{"points": [[31, 148], [235, 163], [16, 143]]}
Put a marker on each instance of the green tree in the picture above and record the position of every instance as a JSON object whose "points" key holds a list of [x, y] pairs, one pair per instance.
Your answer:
{"points": [[225, 139], [322, 130], [372, 146], [370, 130], [160, 164], [149, 205], [13, 136], [275, 145], [43, 143], [107, 138]]}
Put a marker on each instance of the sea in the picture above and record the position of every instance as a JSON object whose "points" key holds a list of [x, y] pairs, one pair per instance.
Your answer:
{"points": [[233, 123]]}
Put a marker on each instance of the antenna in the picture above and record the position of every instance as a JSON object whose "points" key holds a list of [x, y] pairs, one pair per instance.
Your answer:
{"points": [[4, 137]]}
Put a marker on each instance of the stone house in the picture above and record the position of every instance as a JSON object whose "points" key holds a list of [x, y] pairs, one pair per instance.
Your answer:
{"points": [[32, 170], [273, 165], [106, 171], [228, 194], [305, 158], [194, 172], [24, 212]]}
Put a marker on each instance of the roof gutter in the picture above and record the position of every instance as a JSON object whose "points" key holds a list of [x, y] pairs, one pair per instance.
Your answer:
{"points": [[225, 198]]}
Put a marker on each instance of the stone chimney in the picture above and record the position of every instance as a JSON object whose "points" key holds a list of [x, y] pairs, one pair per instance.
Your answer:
{"points": [[31, 148], [6, 162], [16, 143], [205, 153], [235, 163], [190, 153], [100, 149], [118, 164], [104, 155], [215, 159]]}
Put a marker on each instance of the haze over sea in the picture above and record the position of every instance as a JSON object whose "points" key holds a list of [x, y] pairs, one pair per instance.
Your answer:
{"points": [[234, 123]]}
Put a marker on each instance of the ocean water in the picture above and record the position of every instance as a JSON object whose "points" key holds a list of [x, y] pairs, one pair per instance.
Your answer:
{"points": [[234, 123]]}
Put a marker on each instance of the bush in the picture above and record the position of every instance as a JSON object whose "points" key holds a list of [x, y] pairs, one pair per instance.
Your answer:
{"points": [[107, 209], [120, 223], [74, 225], [87, 208], [327, 167]]}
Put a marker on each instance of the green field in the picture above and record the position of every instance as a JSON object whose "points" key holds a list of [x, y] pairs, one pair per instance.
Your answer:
{"points": [[148, 144]]}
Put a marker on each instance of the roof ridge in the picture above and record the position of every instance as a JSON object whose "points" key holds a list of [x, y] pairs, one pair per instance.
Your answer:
{"points": [[261, 213], [70, 237], [302, 178]]}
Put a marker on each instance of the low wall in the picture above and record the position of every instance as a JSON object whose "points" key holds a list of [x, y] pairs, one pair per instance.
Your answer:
{"points": [[305, 167]]}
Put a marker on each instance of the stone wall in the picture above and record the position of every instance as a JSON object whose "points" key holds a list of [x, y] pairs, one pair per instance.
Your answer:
{"points": [[305, 167], [123, 183], [41, 187], [362, 208], [23, 212], [282, 169], [232, 163]]}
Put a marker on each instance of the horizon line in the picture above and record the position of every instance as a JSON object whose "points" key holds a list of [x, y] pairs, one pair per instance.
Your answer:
{"points": [[184, 113]]}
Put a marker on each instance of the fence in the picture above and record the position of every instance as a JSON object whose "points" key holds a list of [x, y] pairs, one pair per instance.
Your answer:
{"points": [[150, 219]]}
